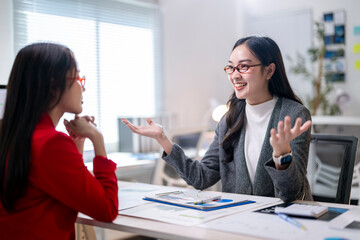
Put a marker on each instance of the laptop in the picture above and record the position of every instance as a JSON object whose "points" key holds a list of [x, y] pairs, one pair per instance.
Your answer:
{"points": [[2, 99]]}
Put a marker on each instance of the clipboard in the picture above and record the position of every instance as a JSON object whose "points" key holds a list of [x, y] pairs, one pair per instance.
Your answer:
{"points": [[203, 201]]}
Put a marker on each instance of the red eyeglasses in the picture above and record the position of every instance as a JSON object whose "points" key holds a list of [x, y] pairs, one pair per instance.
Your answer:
{"points": [[80, 79]]}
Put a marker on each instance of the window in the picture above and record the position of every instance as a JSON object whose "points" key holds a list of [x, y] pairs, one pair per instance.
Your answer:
{"points": [[116, 44]]}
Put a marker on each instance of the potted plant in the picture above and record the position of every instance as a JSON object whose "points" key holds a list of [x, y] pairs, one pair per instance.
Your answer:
{"points": [[320, 77]]}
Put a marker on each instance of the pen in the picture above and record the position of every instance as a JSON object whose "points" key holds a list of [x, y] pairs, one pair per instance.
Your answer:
{"points": [[206, 200], [168, 193], [291, 220]]}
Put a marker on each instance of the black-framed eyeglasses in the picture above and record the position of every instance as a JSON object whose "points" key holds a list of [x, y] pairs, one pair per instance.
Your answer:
{"points": [[241, 68]]}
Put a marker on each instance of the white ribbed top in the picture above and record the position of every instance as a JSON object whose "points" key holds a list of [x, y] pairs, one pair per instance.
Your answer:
{"points": [[257, 120]]}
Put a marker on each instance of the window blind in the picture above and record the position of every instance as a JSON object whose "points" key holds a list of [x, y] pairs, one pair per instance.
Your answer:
{"points": [[117, 46]]}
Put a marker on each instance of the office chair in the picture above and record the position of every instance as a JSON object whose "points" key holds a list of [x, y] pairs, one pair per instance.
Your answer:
{"points": [[355, 191], [334, 158]]}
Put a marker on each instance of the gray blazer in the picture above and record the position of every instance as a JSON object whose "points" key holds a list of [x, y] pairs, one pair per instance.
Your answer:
{"points": [[289, 184]]}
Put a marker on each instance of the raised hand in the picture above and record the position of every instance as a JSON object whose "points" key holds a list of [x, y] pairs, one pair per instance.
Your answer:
{"points": [[152, 130], [280, 141]]}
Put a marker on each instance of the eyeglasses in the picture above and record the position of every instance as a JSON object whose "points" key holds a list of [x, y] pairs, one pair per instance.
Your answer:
{"points": [[80, 79], [241, 68]]}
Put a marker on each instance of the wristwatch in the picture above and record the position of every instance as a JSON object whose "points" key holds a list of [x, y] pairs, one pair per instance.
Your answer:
{"points": [[284, 159]]}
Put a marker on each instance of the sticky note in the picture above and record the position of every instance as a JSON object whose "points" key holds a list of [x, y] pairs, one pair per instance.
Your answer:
{"points": [[357, 30], [357, 48], [357, 65]]}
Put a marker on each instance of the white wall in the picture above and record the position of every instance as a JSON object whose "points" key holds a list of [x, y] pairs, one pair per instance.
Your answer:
{"points": [[6, 40], [198, 36], [292, 31]]}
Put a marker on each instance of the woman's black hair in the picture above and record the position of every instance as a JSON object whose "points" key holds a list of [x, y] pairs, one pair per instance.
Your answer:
{"points": [[36, 84], [267, 51]]}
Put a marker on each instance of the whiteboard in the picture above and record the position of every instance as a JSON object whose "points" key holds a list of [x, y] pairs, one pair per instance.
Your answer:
{"points": [[292, 31]]}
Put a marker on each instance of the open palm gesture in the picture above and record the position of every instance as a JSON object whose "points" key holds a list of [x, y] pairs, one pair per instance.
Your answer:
{"points": [[280, 141], [153, 130]]}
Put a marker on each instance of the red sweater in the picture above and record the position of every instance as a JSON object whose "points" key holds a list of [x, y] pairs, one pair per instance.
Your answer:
{"points": [[60, 186]]}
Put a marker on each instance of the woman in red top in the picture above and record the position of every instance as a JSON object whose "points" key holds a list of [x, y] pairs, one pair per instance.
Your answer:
{"points": [[43, 180]]}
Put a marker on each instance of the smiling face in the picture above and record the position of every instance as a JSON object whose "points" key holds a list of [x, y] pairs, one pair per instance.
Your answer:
{"points": [[251, 85]]}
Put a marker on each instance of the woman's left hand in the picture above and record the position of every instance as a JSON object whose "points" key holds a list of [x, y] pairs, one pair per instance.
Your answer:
{"points": [[75, 129], [280, 141]]}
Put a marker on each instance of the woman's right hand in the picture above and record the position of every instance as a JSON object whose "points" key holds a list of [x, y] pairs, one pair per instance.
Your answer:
{"points": [[153, 130]]}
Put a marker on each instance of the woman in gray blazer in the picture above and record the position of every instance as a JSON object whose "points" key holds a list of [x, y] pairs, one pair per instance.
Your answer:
{"points": [[260, 146]]}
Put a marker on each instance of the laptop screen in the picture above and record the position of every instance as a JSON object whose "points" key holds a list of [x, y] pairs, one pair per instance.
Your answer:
{"points": [[2, 99]]}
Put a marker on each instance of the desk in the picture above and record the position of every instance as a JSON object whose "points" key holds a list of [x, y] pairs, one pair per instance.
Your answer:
{"points": [[164, 230], [131, 167], [336, 120], [344, 125]]}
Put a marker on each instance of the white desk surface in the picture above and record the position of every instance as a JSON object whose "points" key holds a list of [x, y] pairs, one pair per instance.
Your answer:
{"points": [[157, 229], [128, 166], [336, 120]]}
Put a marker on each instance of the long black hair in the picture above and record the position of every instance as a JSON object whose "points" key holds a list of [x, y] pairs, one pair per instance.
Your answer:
{"points": [[36, 84], [267, 51]]}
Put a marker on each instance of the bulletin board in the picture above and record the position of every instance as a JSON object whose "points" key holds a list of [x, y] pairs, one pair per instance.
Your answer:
{"points": [[334, 39]]}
